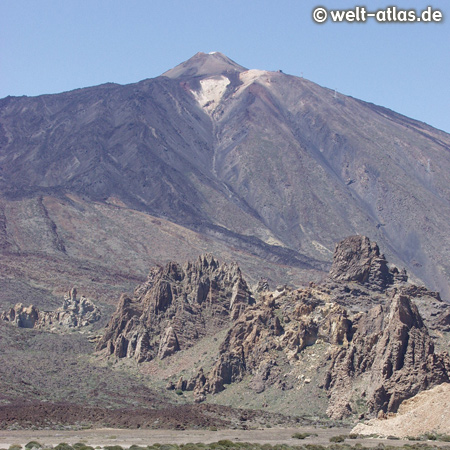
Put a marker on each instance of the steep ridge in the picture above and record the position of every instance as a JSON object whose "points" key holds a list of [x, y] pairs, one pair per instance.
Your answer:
{"points": [[174, 308], [249, 159], [308, 342]]}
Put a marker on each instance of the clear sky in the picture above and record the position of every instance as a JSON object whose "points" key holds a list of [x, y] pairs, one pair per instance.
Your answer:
{"points": [[49, 46]]}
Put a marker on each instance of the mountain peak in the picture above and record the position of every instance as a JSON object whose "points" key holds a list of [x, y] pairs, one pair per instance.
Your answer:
{"points": [[214, 63]]}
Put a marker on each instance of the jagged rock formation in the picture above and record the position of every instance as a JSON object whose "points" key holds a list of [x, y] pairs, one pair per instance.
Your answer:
{"points": [[21, 316], [74, 313], [358, 259], [175, 307], [369, 360], [390, 354], [388, 350]]}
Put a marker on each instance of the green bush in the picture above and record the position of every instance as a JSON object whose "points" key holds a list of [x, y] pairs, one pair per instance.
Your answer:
{"points": [[63, 446], [179, 392], [79, 446], [113, 447], [15, 447], [301, 435], [226, 443], [339, 438], [82, 446], [314, 447], [168, 447], [32, 444]]}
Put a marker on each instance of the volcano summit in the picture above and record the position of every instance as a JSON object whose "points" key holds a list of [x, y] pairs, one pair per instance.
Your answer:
{"points": [[260, 167]]}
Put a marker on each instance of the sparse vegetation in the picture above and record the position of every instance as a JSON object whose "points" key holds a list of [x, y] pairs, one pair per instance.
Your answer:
{"points": [[226, 444], [434, 437], [338, 438], [33, 444], [82, 446], [302, 435], [63, 446]]}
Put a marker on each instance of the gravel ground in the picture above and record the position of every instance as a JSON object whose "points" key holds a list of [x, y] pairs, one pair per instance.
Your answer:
{"points": [[126, 438]]}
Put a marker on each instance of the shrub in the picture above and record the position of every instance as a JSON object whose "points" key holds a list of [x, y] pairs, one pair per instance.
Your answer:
{"points": [[339, 438], [302, 435], [32, 444], [314, 447], [429, 436], [63, 446], [82, 446], [15, 447], [168, 447], [113, 447], [179, 392]]}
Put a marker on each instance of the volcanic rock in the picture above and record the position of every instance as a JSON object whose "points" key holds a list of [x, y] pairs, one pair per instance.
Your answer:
{"points": [[175, 307], [169, 343], [425, 413], [21, 316], [376, 357], [392, 352], [358, 339], [74, 313], [358, 259]]}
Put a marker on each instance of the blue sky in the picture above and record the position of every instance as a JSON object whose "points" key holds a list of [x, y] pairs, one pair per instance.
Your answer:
{"points": [[49, 46]]}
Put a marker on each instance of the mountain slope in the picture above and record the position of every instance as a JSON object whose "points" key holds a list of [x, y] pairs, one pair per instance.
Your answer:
{"points": [[268, 168]]}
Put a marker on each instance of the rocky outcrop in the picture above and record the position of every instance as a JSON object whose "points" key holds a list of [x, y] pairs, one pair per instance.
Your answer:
{"points": [[373, 359], [358, 259], [169, 343], [362, 359], [175, 307], [245, 346], [390, 354], [259, 334], [22, 316], [74, 313]]}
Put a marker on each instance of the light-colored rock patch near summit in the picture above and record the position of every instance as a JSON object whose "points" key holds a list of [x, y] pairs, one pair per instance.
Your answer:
{"points": [[211, 92]]}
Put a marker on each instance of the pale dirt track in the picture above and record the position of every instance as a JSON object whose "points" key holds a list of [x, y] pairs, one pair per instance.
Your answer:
{"points": [[126, 438]]}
